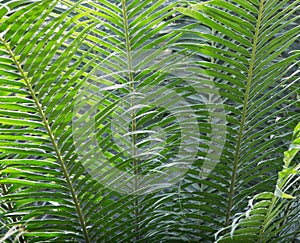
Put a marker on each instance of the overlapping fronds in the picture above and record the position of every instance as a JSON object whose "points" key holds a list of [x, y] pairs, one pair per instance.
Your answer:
{"points": [[245, 46], [120, 122], [273, 216]]}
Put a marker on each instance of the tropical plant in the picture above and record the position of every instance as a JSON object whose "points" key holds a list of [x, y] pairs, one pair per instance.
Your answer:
{"points": [[112, 128], [270, 214]]}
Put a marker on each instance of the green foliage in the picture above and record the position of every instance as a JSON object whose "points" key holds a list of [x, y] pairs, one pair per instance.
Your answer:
{"points": [[63, 62], [273, 217]]}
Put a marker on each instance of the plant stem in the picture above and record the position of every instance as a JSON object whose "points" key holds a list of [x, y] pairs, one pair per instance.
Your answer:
{"points": [[133, 118], [53, 141], [244, 113]]}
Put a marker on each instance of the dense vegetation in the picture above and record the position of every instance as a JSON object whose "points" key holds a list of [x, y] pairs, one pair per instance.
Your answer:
{"points": [[149, 121]]}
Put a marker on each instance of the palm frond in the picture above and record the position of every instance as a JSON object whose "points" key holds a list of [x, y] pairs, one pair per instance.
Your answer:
{"points": [[35, 166], [273, 217], [245, 47], [112, 127]]}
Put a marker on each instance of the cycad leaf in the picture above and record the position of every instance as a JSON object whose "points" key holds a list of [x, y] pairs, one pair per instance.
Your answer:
{"points": [[252, 76], [112, 127]]}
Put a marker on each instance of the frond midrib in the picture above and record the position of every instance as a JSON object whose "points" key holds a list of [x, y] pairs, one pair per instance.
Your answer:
{"points": [[133, 113], [52, 138], [244, 112]]}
